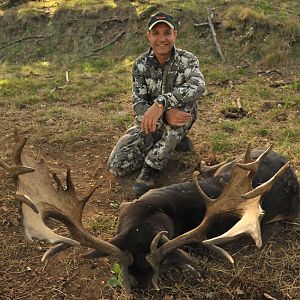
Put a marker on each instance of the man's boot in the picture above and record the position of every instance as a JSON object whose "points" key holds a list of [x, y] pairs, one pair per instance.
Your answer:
{"points": [[185, 145], [146, 180]]}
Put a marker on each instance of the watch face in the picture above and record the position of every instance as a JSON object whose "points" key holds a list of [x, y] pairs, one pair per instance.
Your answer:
{"points": [[160, 99]]}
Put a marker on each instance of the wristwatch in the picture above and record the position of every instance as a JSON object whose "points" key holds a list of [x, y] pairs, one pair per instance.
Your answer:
{"points": [[160, 101]]}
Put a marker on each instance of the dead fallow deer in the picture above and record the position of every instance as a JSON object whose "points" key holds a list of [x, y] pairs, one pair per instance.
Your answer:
{"points": [[162, 220]]}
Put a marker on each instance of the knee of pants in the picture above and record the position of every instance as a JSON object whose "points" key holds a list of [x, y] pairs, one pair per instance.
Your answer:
{"points": [[115, 168]]}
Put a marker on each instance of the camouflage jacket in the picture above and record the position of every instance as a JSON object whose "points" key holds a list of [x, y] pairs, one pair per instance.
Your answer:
{"points": [[180, 81]]}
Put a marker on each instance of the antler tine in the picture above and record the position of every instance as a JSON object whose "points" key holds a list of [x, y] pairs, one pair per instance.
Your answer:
{"points": [[70, 185], [252, 166], [204, 197], [157, 254], [265, 153], [55, 249], [18, 169], [188, 258], [85, 199], [79, 233], [156, 240], [27, 201], [58, 182], [205, 169], [247, 157], [221, 251], [154, 259], [266, 186], [20, 144], [15, 171]]}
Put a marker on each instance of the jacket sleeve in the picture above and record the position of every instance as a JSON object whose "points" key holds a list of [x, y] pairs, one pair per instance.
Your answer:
{"points": [[192, 88], [139, 89]]}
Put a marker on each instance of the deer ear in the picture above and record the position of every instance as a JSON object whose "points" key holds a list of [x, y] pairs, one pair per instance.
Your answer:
{"points": [[124, 205]]}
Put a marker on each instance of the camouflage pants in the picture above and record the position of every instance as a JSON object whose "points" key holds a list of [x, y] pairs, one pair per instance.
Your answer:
{"points": [[136, 147]]}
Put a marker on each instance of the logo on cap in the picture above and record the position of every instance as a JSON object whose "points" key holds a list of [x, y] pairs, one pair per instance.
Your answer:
{"points": [[161, 17]]}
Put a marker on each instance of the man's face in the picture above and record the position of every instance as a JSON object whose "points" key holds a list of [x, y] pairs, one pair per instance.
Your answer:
{"points": [[162, 39]]}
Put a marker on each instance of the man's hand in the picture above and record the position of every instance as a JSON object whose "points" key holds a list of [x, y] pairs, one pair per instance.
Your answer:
{"points": [[176, 117], [151, 117]]}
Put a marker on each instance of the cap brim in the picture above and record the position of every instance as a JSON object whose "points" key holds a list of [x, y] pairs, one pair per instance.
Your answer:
{"points": [[161, 21]]}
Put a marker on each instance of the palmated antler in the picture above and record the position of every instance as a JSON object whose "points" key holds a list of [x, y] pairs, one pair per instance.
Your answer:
{"points": [[238, 199], [40, 200]]}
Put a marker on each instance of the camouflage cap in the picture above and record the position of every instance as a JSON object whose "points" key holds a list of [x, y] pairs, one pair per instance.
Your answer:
{"points": [[161, 17]]}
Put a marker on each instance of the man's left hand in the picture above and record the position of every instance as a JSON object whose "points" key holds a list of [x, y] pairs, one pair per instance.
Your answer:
{"points": [[176, 117]]}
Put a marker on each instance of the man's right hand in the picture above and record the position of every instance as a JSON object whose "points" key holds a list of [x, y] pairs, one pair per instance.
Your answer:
{"points": [[151, 117], [176, 117]]}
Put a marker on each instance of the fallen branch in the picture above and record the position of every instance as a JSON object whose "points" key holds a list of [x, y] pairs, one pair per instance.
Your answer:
{"points": [[235, 112], [24, 39], [207, 24], [239, 104], [268, 72], [94, 52], [63, 86], [234, 277], [269, 297], [226, 82], [115, 19], [276, 84], [218, 47]]}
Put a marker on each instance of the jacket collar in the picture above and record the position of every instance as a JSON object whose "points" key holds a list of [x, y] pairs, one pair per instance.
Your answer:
{"points": [[152, 61]]}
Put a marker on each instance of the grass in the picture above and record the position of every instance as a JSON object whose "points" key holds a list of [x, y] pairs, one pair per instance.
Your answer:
{"points": [[103, 225], [294, 86], [122, 120], [34, 9], [229, 127], [22, 90], [220, 142]]}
